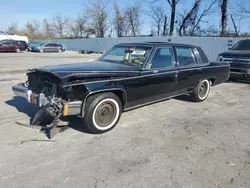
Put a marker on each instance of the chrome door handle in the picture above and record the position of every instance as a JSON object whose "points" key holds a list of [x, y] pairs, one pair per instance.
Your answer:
{"points": [[155, 71]]}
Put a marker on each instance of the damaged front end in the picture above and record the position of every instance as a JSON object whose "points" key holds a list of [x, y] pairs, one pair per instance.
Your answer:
{"points": [[45, 90]]}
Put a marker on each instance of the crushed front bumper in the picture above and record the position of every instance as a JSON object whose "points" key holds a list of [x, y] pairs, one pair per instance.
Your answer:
{"points": [[69, 108]]}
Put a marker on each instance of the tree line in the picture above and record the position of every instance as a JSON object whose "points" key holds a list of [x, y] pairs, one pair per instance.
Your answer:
{"points": [[98, 20]]}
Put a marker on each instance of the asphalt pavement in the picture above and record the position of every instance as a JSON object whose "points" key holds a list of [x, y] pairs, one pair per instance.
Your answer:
{"points": [[171, 144]]}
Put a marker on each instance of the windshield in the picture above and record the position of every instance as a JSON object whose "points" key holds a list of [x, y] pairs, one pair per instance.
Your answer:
{"points": [[242, 45], [129, 55], [34, 44]]}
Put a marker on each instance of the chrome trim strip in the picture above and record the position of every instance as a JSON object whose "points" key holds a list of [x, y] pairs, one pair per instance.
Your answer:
{"points": [[151, 102], [74, 108], [99, 91], [232, 72], [141, 76]]}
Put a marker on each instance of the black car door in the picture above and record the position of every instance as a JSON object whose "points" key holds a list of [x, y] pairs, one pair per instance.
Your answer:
{"points": [[189, 69], [158, 82]]}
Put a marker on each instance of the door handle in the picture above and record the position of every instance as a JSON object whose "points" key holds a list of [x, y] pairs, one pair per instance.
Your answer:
{"points": [[155, 71], [176, 75]]}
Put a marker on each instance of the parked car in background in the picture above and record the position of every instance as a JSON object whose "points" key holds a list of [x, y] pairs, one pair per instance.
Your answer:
{"points": [[33, 44], [128, 76], [22, 43], [49, 47], [11, 46], [239, 58]]}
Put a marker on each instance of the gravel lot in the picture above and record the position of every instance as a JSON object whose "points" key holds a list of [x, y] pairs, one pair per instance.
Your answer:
{"points": [[175, 143]]}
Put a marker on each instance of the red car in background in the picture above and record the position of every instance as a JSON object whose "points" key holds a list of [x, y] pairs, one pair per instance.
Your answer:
{"points": [[11, 46]]}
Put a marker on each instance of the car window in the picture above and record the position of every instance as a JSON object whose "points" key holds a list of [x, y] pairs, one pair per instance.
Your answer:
{"points": [[49, 45], [162, 58], [5, 44], [185, 56], [129, 55]]}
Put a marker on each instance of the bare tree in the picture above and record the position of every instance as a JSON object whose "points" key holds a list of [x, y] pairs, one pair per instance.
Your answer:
{"points": [[78, 26], [223, 7], [236, 30], [241, 8], [157, 13], [48, 29], [98, 15], [132, 18], [60, 25], [189, 24], [237, 14], [190, 17], [30, 30], [173, 4], [119, 22], [12, 29]]}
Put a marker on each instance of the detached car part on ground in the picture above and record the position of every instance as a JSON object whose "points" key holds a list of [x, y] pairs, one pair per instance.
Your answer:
{"points": [[126, 77], [239, 59]]}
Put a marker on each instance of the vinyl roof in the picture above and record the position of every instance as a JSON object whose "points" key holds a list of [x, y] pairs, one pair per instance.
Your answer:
{"points": [[156, 44]]}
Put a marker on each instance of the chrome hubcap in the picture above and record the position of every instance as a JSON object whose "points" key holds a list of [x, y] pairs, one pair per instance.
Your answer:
{"points": [[105, 114]]}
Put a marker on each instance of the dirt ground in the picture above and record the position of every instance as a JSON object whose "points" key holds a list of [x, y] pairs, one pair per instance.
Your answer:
{"points": [[171, 144]]}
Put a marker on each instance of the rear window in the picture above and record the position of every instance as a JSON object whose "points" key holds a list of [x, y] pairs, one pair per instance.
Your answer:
{"points": [[185, 56]]}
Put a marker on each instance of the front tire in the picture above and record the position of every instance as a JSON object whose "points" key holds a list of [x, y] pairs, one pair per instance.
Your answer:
{"points": [[201, 91], [102, 112], [18, 50]]}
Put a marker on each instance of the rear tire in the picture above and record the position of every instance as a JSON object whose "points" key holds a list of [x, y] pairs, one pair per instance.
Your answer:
{"points": [[41, 51], [102, 112], [201, 91]]}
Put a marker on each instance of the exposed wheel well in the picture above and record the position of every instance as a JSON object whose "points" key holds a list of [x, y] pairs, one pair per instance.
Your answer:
{"points": [[212, 80], [119, 93]]}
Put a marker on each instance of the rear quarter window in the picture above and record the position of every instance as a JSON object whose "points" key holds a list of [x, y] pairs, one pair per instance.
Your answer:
{"points": [[204, 59], [185, 56]]}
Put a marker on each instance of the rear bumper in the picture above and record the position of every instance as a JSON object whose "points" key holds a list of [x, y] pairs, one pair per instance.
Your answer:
{"points": [[69, 108]]}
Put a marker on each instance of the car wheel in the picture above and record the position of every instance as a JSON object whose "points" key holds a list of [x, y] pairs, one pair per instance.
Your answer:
{"points": [[60, 51], [201, 91], [18, 50], [102, 112], [41, 50]]}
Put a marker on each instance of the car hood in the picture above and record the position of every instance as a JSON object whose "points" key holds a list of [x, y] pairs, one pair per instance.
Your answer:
{"points": [[93, 70], [236, 54], [35, 47]]}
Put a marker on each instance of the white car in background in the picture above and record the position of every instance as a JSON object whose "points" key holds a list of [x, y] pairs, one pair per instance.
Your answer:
{"points": [[5, 36]]}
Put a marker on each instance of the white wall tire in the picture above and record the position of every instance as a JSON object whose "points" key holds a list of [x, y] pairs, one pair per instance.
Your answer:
{"points": [[201, 91], [102, 112], [116, 115]]}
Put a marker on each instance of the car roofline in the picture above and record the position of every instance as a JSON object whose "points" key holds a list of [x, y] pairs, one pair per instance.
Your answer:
{"points": [[155, 44]]}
